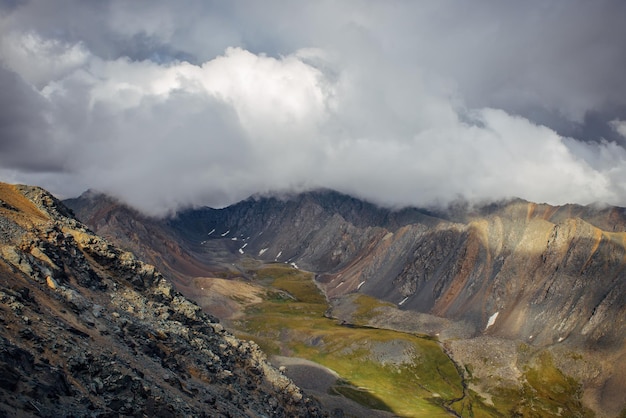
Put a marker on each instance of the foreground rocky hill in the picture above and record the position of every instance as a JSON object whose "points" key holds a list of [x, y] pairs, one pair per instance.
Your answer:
{"points": [[89, 330], [506, 276]]}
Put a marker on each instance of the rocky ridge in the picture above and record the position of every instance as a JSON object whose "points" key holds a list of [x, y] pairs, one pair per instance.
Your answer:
{"points": [[89, 330]]}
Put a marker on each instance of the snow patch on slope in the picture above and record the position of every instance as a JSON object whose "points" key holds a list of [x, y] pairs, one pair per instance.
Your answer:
{"points": [[492, 320]]}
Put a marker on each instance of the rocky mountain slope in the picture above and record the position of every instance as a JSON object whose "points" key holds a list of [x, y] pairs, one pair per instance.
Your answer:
{"points": [[89, 330], [549, 277]]}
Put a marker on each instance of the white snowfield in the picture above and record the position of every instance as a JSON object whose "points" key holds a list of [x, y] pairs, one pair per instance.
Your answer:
{"points": [[492, 320]]}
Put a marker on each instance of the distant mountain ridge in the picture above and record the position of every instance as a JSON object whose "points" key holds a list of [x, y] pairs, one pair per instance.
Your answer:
{"points": [[539, 274], [500, 258]]}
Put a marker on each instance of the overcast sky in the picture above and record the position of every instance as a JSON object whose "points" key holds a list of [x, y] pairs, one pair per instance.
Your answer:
{"points": [[170, 104]]}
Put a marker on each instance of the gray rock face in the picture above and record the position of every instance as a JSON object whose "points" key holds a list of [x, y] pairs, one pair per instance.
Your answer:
{"points": [[89, 330]]}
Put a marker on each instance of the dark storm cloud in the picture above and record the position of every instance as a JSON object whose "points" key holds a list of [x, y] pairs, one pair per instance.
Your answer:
{"points": [[169, 104]]}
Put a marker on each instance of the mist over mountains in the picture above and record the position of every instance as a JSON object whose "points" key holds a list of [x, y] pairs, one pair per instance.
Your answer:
{"points": [[398, 103], [449, 174]]}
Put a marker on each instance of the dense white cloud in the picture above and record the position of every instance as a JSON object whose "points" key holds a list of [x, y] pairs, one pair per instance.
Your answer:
{"points": [[37, 60], [167, 107]]}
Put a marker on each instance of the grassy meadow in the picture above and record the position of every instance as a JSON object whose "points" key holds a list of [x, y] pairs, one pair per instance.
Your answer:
{"points": [[408, 375]]}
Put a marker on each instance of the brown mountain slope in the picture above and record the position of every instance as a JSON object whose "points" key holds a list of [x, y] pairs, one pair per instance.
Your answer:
{"points": [[88, 330], [546, 281]]}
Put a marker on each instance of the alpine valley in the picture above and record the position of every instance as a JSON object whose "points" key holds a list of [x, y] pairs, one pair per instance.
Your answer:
{"points": [[526, 301], [508, 309]]}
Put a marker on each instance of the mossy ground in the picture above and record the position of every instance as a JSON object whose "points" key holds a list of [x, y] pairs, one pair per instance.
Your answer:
{"points": [[546, 391], [366, 308], [291, 321], [419, 381]]}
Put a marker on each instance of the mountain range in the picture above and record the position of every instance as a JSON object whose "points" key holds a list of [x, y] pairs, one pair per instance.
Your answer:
{"points": [[511, 277], [527, 301]]}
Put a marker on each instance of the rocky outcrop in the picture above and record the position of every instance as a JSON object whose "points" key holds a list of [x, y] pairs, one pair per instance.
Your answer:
{"points": [[89, 330]]}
